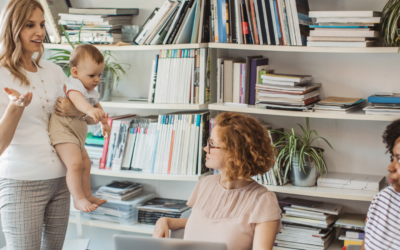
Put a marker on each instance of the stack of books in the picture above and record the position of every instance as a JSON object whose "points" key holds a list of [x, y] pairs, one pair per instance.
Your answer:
{"points": [[287, 91], [154, 209], [383, 104], [272, 22], [123, 212], [119, 190], [164, 144], [344, 28], [352, 181], [100, 26], [335, 104], [307, 224], [353, 226], [180, 77], [177, 22]]}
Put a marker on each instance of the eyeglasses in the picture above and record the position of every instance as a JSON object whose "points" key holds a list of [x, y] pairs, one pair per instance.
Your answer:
{"points": [[209, 147]]}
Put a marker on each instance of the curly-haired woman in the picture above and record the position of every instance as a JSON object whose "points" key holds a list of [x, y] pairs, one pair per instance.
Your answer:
{"points": [[231, 207], [382, 230]]}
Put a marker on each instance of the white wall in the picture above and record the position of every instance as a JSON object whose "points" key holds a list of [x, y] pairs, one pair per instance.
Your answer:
{"points": [[358, 144]]}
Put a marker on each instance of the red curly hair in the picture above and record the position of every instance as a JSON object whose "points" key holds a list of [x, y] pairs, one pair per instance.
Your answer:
{"points": [[248, 146]]}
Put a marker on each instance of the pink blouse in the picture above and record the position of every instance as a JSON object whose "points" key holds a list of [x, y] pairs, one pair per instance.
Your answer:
{"points": [[229, 216]]}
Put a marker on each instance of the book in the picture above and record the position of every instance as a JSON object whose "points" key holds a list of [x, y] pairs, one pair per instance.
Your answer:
{"points": [[351, 221], [351, 181], [287, 77], [105, 11], [300, 88], [339, 101], [244, 24], [120, 145], [354, 234], [51, 24], [369, 13], [337, 39], [145, 24], [247, 79], [254, 76], [301, 20], [345, 33], [107, 141], [385, 98], [348, 20]]}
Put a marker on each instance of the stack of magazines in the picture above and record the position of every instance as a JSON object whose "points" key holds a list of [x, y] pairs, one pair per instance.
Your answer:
{"points": [[123, 212], [288, 92], [339, 105], [383, 103], [119, 190], [307, 224], [152, 210]]}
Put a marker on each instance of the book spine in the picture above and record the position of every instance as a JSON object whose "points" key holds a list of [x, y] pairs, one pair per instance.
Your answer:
{"points": [[105, 147], [285, 18], [178, 23], [212, 21], [205, 38], [277, 22], [233, 23], [227, 21], [248, 14], [254, 23], [245, 24]]}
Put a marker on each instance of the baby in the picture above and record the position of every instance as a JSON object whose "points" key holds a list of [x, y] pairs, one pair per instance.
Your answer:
{"points": [[68, 134]]}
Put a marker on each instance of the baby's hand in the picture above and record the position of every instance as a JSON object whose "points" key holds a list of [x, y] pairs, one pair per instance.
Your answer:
{"points": [[105, 130], [17, 99], [96, 113]]}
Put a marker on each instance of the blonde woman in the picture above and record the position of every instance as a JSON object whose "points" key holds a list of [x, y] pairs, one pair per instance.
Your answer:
{"points": [[34, 198], [230, 207]]}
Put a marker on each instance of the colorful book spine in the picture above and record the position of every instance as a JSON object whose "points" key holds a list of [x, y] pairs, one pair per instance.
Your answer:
{"points": [[254, 22]]}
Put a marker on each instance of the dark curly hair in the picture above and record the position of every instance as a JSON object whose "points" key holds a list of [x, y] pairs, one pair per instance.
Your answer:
{"points": [[390, 136], [248, 146]]}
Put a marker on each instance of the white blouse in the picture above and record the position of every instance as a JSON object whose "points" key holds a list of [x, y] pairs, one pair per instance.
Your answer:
{"points": [[30, 155]]}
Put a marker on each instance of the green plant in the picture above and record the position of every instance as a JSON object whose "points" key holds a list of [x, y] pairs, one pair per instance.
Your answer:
{"points": [[62, 56], [390, 24], [291, 146]]}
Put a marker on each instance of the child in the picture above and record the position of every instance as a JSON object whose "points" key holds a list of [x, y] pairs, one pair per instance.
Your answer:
{"points": [[383, 218], [68, 134]]}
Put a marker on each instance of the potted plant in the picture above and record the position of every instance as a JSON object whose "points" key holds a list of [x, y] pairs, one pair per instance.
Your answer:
{"points": [[390, 24], [299, 158], [112, 70]]}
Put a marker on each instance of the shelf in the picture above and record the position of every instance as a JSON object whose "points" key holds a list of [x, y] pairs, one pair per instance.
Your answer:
{"points": [[255, 109], [145, 176], [325, 192], [133, 47], [122, 102], [136, 228], [302, 48]]}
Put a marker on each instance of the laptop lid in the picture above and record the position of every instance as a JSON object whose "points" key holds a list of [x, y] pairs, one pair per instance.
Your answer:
{"points": [[129, 242]]}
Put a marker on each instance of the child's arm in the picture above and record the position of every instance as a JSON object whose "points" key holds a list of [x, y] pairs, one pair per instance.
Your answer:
{"points": [[105, 128], [12, 115], [82, 105]]}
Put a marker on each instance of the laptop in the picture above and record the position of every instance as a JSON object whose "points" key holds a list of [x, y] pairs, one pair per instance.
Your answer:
{"points": [[128, 242]]}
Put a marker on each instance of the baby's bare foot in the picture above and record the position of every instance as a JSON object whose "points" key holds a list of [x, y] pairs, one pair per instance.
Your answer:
{"points": [[84, 205], [95, 200]]}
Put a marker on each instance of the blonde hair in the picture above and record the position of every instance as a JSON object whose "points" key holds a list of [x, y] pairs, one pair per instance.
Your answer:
{"points": [[13, 18]]}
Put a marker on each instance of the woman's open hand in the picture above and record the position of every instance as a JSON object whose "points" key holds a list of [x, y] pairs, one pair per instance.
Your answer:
{"points": [[162, 229], [17, 99]]}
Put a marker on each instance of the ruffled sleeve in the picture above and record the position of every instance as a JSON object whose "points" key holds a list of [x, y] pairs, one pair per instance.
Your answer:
{"points": [[266, 209], [74, 85]]}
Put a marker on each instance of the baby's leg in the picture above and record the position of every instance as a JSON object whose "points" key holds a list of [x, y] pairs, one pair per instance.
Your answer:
{"points": [[70, 154], [86, 180]]}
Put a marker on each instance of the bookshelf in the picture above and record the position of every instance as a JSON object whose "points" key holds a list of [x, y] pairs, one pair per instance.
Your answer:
{"points": [[255, 109], [123, 102], [325, 192], [133, 47], [145, 176]]}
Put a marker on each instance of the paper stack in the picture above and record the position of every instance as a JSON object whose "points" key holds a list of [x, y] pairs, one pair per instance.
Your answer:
{"points": [[351, 181], [354, 225], [383, 104], [287, 91], [119, 190], [307, 224], [338, 105], [154, 209], [344, 28]]}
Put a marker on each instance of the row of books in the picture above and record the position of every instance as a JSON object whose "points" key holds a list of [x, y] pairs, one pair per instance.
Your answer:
{"points": [[272, 22], [176, 22], [181, 77], [99, 26], [164, 144], [344, 28]]}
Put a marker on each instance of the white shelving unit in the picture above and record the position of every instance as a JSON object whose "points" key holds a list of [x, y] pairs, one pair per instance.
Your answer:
{"points": [[123, 102], [324, 192], [135, 228], [133, 47], [255, 109], [145, 176]]}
